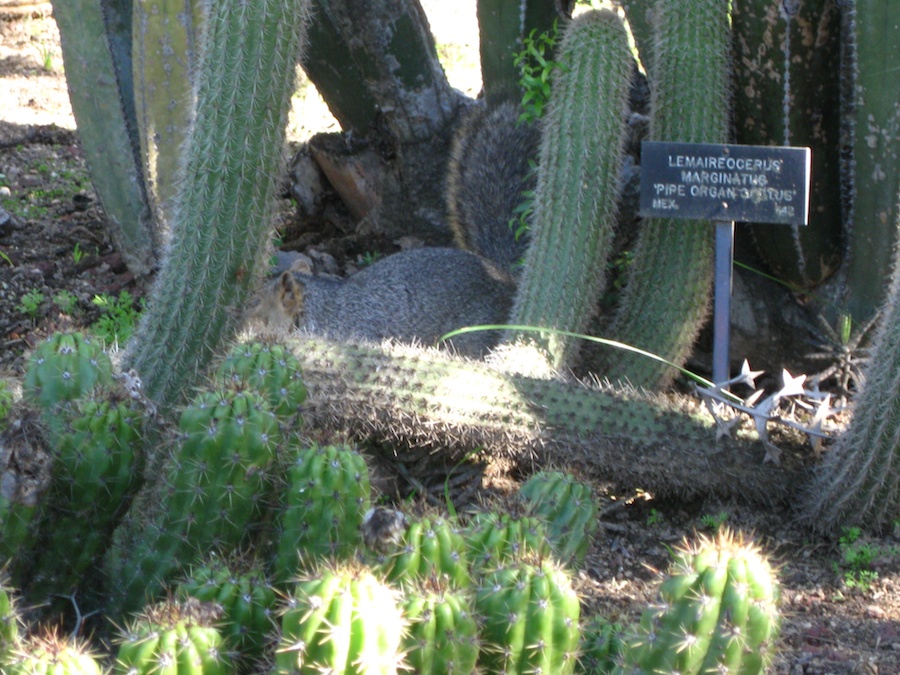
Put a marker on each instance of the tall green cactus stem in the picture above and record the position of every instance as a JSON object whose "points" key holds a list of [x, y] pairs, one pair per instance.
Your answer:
{"points": [[269, 368], [50, 654], [327, 496], [502, 26], [96, 55], [232, 157], [239, 586], [176, 638], [793, 57], [666, 297], [442, 632], [422, 400], [341, 620], [874, 27], [97, 470], [530, 619], [165, 39], [432, 548], [10, 619], [577, 183], [208, 498], [63, 367], [717, 613], [858, 482], [568, 508]]}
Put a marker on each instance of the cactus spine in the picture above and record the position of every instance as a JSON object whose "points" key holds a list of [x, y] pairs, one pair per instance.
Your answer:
{"points": [[568, 508], [582, 141], [208, 498], [669, 281], [342, 620], [530, 614], [245, 77], [717, 612]]}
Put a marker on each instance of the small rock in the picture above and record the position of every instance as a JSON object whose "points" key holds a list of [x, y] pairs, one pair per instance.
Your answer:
{"points": [[5, 191]]}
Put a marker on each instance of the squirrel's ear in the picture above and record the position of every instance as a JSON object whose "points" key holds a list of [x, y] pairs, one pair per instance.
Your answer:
{"points": [[290, 292]]}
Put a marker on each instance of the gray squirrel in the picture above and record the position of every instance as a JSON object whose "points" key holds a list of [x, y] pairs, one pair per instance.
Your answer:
{"points": [[420, 294]]}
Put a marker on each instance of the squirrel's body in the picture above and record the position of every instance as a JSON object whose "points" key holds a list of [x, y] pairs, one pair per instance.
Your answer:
{"points": [[412, 296]]}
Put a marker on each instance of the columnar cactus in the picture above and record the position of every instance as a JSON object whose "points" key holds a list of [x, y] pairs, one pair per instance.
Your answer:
{"points": [[209, 495], [717, 612], [177, 638], [666, 297], [247, 600], [269, 368], [432, 547], [530, 616], [569, 509], [63, 367], [226, 187], [582, 144], [340, 620], [326, 498], [442, 632]]}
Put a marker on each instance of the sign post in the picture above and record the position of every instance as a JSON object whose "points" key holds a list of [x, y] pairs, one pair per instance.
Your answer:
{"points": [[722, 184]]}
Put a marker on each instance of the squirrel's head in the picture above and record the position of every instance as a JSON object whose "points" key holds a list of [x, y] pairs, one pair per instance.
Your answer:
{"points": [[278, 306]]}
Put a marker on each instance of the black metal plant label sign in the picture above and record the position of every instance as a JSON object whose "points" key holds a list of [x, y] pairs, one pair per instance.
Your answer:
{"points": [[747, 183], [722, 184]]}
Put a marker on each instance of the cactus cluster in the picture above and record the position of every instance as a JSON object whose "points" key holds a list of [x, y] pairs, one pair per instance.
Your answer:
{"points": [[431, 548], [270, 369]]}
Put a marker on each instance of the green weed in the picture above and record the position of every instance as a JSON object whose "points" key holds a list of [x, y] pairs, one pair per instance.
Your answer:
{"points": [[30, 303], [714, 521], [855, 565], [119, 318], [66, 302]]}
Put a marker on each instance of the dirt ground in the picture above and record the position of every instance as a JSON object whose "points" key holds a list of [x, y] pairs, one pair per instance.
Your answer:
{"points": [[841, 606]]}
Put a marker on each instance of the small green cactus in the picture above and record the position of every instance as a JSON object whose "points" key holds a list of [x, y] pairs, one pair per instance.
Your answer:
{"points": [[431, 547], [601, 645], [63, 367], [239, 587], [569, 509], [530, 618], [9, 618], [495, 538], [442, 636], [327, 495], [50, 654], [717, 613], [176, 638], [269, 368], [340, 620]]}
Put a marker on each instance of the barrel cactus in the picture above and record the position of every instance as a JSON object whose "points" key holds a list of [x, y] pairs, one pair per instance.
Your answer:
{"points": [[269, 368], [530, 616], [717, 612], [340, 620], [176, 638], [568, 508], [327, 496], [442, 635]]}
